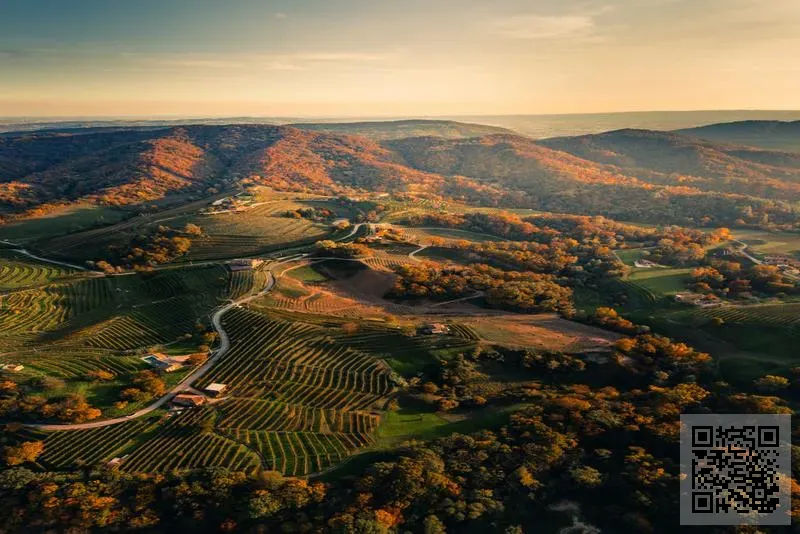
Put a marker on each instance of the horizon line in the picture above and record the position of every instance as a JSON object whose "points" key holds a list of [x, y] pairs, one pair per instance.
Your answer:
{"points": [[122, 117]]}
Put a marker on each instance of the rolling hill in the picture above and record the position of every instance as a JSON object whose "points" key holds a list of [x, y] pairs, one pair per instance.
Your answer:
{"points": [[673, 159], [772, 135], [628, 174], [385, 130]]}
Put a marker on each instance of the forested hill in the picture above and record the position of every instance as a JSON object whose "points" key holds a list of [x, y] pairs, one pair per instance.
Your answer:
{"points": [[674, 153], [629, 174], [384, 130], [773, 135]]}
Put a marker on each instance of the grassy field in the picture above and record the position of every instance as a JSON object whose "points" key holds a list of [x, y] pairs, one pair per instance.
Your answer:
{"points": [[763, 242], [307, 273], [630, 255], [424, 235], [64, 221], [659, 281]]}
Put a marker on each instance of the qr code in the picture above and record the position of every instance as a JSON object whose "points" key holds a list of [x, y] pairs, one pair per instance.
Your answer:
{"points": [[735, 469]]}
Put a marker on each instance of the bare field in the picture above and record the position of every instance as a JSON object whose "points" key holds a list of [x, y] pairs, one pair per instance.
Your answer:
{"points": [[545, 331]]}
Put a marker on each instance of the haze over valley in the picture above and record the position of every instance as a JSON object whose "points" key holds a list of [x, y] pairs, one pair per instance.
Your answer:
{"points": [[366, 267]]}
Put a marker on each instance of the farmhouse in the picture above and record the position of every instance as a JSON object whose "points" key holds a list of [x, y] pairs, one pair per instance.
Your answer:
{"points": [[215, 390], [645, 264], [435, 328], [115, 462], [699, 300], [189, 400], [13, 367], [244, 264], [161, 362]]}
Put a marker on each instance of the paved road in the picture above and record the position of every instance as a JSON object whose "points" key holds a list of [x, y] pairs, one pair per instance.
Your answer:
{"points": [[413, 253], [219, 353], [46, 260], [224, 346], [743, 251]]}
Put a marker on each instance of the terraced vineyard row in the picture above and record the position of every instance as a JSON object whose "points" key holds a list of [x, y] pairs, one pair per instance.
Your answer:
{"points": [[73, 363], [33, 310], [244, 234], [257, 414], [72, 449], [388, 262], [242, 283], [462, 330], [291, 360], [781, 315], [17, 271], [181, 443], [299, 398], [300, 453], [319, 303]]}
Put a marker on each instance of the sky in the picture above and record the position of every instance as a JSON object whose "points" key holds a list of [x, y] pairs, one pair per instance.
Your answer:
{"points": [[350, 58]]}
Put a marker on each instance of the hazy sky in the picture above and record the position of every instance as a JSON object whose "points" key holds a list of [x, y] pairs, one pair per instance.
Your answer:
{"points": [[409, 57]]}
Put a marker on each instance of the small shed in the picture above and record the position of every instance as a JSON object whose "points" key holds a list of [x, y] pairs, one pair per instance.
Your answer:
{"points": [[215, 390], [13, 367], [189, 400], [244, 264], [435, 328], [162, 362]]}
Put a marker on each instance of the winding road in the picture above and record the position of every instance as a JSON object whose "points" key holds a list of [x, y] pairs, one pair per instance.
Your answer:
{"points": [[25, 252], [743, 251], [217, 354]]}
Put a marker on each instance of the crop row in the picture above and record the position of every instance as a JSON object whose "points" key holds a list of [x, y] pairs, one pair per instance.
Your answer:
{"points": [[283, 356], [257, 414], [778, 315], [68, 449], [182, 444], [15, 273], [75, 364], [300, 453]]}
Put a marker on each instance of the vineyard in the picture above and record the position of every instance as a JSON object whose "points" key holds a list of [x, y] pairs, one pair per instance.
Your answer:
{"points": [[69, 362], [777, 315], [257, 230], [18, 271], [77, 448], [300, 398]]}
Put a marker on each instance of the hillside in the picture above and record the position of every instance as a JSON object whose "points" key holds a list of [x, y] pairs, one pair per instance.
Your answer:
{"points": [[772, 135], [673, 159], [385, 130], [132, 166], [628, 174]]}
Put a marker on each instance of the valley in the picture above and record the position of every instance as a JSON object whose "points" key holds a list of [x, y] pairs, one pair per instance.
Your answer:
{"points": [[322, 306]]}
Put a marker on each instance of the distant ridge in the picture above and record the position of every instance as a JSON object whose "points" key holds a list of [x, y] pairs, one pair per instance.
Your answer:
{"points": [[398, 129], [772, 135], [630, 174]]}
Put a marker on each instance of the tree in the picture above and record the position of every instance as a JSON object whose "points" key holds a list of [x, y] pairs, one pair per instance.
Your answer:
{"points": [[263, 504], [771, 383], [192, 229], [101, 375], [27, 451], [197, 358], [433, 525], [445, 405], [586, 476]]}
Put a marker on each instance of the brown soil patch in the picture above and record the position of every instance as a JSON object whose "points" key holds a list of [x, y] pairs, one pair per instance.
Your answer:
{"points": [[546, 331]]}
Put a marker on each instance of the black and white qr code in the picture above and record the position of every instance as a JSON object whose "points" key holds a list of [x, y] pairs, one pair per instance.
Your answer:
{"points": [[735, 469]]}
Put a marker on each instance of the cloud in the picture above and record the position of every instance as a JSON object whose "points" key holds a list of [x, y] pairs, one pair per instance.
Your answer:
{"points": [[528, 26], [280, 15], [339, 56], [293, 61]]}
